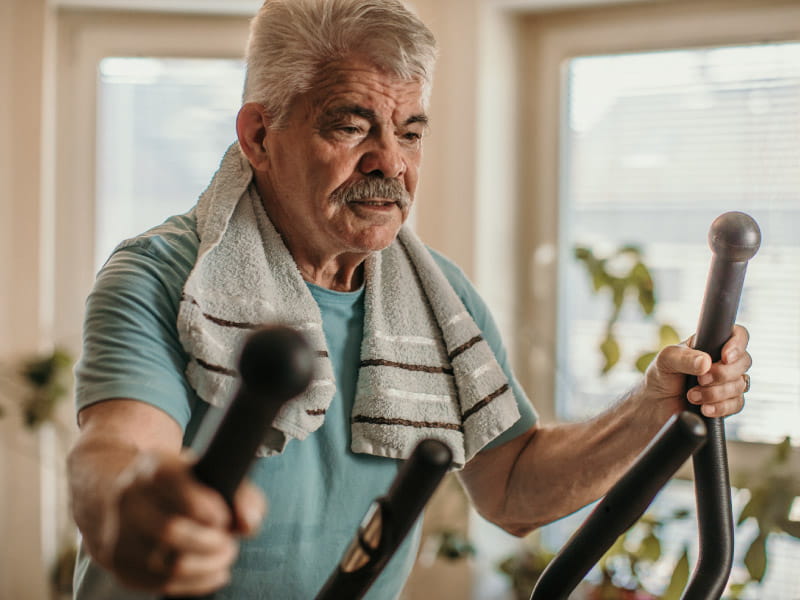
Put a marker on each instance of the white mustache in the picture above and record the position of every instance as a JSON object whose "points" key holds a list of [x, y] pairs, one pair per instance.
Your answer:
{"points": [[386, 189]]}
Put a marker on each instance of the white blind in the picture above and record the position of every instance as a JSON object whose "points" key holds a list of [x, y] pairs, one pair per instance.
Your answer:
{"points": [[655, 145]]}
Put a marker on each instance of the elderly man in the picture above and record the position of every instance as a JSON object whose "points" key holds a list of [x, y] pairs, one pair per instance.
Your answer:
{"points": [[303, 224]]}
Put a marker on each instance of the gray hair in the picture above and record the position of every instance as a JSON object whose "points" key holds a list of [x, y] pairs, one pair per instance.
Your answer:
{"points": [[291, 40]]}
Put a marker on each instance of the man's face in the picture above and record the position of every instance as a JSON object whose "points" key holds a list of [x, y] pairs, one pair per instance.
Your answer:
{"points": [[342, 173]]}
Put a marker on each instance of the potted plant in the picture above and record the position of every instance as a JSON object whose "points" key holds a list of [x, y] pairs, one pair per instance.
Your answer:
{"points": [[37, 386]]}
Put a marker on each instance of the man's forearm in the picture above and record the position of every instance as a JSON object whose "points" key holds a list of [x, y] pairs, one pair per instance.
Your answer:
{"points": [[113, 434], [564, 467], [93, 468]]}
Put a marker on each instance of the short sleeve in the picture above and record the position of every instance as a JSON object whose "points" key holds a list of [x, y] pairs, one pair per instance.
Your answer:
{"points": [[130, 341]]}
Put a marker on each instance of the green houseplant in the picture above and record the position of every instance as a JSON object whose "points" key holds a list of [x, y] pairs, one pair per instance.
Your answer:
{"points": [[623, 276], [39, 384], [35, 388]]}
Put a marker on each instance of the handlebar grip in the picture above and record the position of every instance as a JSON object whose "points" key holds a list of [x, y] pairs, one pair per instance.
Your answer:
{"points": [[388, 521], [275, 365], [734, 238], [622, 506]]}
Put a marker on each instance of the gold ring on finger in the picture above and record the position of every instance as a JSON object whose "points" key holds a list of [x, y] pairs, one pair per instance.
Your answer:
{"points": [[746, 378]]}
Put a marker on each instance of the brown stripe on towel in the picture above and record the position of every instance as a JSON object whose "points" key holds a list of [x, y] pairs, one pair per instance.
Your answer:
{"points": [[224, 323], [485, 401], [464, 347], [217, 320], [322, 353], [215, 368], [379, 362], [315, 412], [407, 423]]}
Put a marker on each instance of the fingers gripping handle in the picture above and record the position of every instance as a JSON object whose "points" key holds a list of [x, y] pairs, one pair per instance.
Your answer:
{"points": [[734, 238], [275, 365]]}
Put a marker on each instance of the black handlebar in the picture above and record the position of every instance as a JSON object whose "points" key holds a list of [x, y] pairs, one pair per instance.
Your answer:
{"points": [[622, 506], [276, 365], [734, 239], [388, 521]]}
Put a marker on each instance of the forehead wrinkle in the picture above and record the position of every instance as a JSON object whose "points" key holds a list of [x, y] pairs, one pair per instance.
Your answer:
{"points": [[328, 95]]}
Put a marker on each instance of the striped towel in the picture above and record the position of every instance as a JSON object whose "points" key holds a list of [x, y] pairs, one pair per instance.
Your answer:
{"points": [[425, 372]]}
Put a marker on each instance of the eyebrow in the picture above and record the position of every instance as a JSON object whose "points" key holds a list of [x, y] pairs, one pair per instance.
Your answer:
{"points": [[368, 114]]}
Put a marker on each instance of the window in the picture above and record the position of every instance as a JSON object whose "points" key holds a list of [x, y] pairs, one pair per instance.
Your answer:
{"points": [[656, 144], [647, 122], [163, 125], [129, 86]]}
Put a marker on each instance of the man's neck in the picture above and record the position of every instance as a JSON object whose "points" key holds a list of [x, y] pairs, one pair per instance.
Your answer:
{"points": [[340, 276]]}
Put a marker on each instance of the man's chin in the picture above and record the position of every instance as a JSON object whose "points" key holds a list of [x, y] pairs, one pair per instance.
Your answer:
{"points": [[379, 238]]}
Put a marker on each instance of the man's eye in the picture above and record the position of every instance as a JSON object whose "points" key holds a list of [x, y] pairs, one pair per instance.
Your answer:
{"points": [[349, 130], [412, 136]]}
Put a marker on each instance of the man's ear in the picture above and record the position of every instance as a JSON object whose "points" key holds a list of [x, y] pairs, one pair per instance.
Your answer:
{"points": [[252, 125]]}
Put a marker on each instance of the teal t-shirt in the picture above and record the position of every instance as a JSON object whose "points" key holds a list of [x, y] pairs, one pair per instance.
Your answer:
{"points": [[318, 489]]}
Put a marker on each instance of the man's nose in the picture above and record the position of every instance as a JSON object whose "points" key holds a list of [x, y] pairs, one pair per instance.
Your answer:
{"points": [[383, 158]]}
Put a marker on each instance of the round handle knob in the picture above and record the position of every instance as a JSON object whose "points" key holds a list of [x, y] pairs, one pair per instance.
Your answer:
{"points": [[734, 237], [276, 359]]}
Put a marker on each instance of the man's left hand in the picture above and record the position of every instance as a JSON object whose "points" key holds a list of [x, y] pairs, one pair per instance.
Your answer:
{"points": [[721, 385]]}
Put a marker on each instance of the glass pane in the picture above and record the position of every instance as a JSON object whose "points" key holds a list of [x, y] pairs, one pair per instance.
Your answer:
{"points": [[163, 125], [655, 146]]}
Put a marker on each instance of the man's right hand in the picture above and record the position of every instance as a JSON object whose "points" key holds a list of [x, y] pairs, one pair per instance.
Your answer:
{"points": [[170, 534], [142, 514]]}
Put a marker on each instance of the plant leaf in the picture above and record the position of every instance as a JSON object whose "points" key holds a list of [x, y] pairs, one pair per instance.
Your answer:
{"points": [[782, 451], [610, 349], [736, 589], [756, 558], [618, 287], [754, 507], [679, 578], [667, 336], [791, 527], [640, 277], [644, 361], [647, 301], [600, 279]]}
